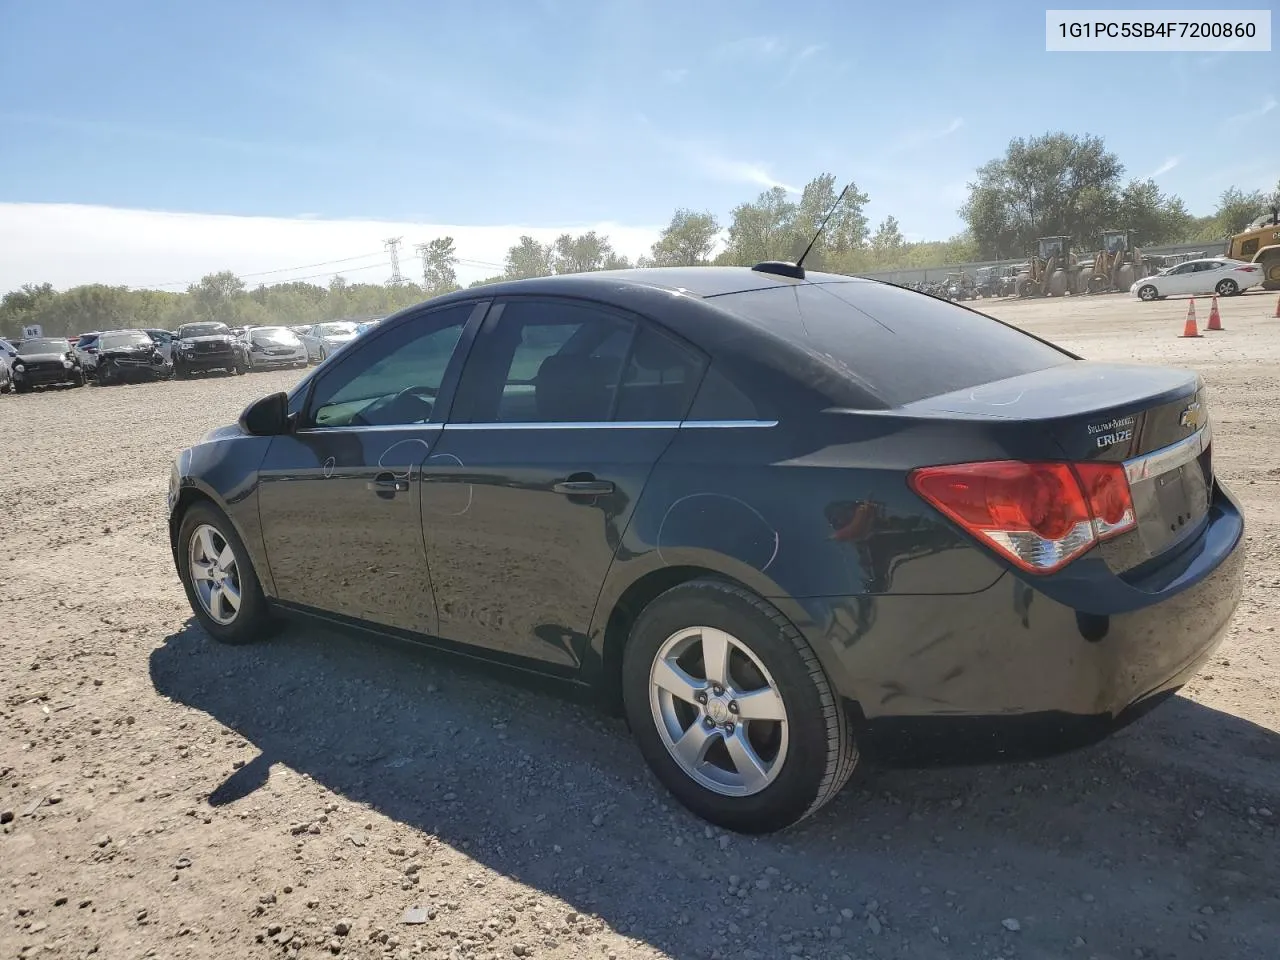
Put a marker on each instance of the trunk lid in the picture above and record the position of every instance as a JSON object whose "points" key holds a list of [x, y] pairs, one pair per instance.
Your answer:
{"points": [[1155, 420]]}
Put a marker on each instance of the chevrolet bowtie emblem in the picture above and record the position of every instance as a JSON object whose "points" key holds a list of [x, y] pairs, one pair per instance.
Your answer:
{"points": [[1192, 417]]}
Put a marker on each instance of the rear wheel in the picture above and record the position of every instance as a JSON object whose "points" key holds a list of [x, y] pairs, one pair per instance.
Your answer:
{"points": [[1147, 292], [222, 586], [1227, 288], [732, 710]]}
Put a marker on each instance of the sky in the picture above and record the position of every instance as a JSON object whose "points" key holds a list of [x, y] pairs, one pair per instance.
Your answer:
{"points": [[149, 143]]}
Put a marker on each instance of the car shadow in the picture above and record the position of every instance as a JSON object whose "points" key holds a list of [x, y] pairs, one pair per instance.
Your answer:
{"points": [[548, 791]]}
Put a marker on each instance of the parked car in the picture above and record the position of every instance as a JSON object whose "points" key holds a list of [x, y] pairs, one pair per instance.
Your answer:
{"points": [[6, 374], [1217, 275], [86, 348], [275, 347], [46, 362], [164, 341], [130, 355], [324, 339], [7, 350], [207, 346], [768, 517]]}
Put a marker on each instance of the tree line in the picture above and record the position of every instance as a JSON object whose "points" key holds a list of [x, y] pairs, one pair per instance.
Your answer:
{"points": [[1058, 184]]}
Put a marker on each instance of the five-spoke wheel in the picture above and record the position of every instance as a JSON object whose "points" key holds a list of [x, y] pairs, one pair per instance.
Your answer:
{"points": [[219, 578], [732, 710]]}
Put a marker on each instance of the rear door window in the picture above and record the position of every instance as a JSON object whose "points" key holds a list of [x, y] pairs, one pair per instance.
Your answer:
{"points": [[900, 345]]}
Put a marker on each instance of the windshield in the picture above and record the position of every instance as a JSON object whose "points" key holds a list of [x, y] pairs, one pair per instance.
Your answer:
{"points": [[112, 341], [202, 330], [43, 345], [335, 329], [274, 334]]}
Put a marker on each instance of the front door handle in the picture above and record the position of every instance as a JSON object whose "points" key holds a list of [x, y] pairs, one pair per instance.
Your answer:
{"points": [[387, 483], [584, 488]]}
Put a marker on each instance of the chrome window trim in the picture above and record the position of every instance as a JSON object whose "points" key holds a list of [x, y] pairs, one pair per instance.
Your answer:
{"points": [[616, 425], [1162, 461], [380, 428], [568, 425]]}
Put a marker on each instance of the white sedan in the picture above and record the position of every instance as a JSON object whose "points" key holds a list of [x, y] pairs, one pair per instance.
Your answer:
{"points": [[1218, 275]]}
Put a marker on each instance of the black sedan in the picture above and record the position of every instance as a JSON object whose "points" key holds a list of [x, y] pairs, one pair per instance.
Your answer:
{"points": [[45, 362], [770, 517], [130, 355]]}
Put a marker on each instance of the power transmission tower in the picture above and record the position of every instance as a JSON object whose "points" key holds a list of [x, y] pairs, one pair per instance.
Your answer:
{"points": [[394, 246], [422, 249]]}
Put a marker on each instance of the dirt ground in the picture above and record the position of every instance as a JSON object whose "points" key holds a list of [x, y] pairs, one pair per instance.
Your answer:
{"points": [[163, 796]]}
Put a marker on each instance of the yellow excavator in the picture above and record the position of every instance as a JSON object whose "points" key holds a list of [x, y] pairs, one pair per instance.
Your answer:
{"points": [[1260, 244]]}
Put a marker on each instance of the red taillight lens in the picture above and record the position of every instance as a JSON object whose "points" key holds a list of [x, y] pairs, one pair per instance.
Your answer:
{"points": [[1248, 269], [1039, 515]]}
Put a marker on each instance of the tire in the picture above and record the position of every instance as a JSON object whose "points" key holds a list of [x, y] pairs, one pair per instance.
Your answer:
{"points": [[810, 755], [1148, 293], [252, 621], [1227, 288]]}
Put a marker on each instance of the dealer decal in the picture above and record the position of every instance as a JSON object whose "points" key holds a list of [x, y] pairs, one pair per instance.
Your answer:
{"points": [[1113, 431]]}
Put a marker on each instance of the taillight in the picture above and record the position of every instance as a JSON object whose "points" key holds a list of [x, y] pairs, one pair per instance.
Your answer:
{"points": [[1248, 268], [1039, 515]]}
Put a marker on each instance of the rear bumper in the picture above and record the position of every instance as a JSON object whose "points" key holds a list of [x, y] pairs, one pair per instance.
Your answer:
{"points": [[1011, 660]]}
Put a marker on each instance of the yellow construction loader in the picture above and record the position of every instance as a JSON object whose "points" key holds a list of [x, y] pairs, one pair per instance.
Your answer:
{"points": [[1260, 244]]}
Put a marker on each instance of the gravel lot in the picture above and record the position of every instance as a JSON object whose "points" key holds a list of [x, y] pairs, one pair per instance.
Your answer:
{"points": [[166, 797]]}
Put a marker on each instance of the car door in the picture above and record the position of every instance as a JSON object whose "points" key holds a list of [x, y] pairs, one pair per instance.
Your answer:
{"points": [[563, 409], [1181, 279], [1208, 274], [339, 496]]}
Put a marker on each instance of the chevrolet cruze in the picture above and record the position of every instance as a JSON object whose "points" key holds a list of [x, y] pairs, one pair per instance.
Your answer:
{"points": [[771, 517]]}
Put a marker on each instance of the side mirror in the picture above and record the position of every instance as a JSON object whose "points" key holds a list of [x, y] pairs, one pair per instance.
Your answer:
{"points": [[268, 417]]}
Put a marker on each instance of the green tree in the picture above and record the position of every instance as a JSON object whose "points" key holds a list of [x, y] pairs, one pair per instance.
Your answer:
{"points": [[218, 296], [686, 241], [1058, 184], [439, 260], [584, 253], [762, 230], [1153, 217], [528, 258], [1238, 208], [888, 240], [846, 230]]}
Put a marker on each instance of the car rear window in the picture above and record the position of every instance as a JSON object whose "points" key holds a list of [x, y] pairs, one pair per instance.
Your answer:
{"points": [[901, 345]]}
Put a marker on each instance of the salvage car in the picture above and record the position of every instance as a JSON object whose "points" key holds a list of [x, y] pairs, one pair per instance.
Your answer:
{"points": [[324, 339], [273, 347], [130, 355], [45, 362], [207, 346], [771, 516]]}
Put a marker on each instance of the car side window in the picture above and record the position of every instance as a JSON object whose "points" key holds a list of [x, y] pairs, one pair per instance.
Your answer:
{"points": [[660, 379], [545, 361], [392, 378], [720, 399]]}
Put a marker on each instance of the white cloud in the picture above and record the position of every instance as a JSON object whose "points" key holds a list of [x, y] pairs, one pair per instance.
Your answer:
{"points": [[1249, 116], [757, 48], [70, 244], [674, 74], [738, 171], [913, 139], [1164, 167]]}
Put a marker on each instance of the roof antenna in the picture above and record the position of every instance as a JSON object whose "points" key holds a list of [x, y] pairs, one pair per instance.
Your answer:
{"points": [[796, 270]]}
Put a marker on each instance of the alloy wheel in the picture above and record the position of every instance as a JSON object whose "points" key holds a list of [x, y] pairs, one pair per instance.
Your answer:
{"points": [[718, 711], [215, 574]]}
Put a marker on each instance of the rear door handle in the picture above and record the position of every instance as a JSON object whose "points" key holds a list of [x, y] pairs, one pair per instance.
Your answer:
{"points": [[583, 488]]}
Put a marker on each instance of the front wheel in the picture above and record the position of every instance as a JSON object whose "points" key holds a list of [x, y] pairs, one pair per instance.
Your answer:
{"points": [[221, 584], [1148, 293], [1227, 288], [732, 710]]}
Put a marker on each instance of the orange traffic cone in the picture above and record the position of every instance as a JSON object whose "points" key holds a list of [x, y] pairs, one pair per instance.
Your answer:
{"points": [[1215, 321], [1191, 330]]}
